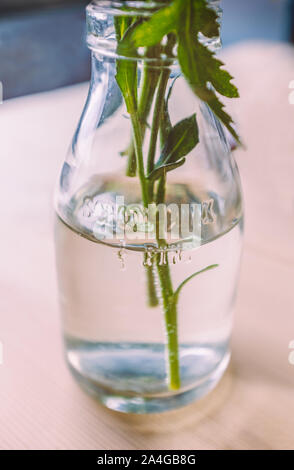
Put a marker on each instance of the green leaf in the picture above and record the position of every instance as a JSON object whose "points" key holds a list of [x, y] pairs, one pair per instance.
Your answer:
{"points": [[188, 18], [161, 170], [218, 108], [126, 77], [181, 140], [161, 23], [178, 291], [199, 65], [213, 72], [207, 19], [167, 20], [121, 24]]}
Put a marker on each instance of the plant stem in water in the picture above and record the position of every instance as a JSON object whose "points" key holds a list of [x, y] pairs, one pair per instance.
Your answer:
{"points": [[157, 116], [169, 303], [170, 317], [151, 283], [150, 80], [138, 144], [163, 270]]}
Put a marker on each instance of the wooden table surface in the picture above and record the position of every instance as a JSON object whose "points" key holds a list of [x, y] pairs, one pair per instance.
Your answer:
{"points": [[41, 407]]}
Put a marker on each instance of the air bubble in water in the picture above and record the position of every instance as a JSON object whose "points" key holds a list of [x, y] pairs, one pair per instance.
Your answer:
{"points": [[148, 258], [163, 257], [122, 259], [177, 257]]}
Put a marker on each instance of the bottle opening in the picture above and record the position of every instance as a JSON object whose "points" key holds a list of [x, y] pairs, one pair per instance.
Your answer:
{"points": [[101, 34], [125, 8]]}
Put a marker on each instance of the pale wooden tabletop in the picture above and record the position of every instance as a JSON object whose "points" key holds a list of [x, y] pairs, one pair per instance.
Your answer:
{"points": [[41, 407]]}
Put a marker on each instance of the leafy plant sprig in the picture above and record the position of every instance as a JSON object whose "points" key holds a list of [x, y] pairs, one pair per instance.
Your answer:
{"points": [[179, 24], [186, 19]]}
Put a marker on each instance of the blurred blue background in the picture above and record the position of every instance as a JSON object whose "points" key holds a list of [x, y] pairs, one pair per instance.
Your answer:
{"points": [[257, 19], [42, 42]]}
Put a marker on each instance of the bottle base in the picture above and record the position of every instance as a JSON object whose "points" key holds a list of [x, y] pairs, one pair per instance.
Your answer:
{"points": [[147, 404]]}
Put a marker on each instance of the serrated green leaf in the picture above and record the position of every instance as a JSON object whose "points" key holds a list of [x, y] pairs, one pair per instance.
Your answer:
{"points": [[200, 66], [161, 170], [218, 108], [198, 63], [218, 77], [181, 140]]}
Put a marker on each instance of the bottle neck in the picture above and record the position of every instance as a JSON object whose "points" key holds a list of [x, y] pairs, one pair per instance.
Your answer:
{"points": [[101, 35]]}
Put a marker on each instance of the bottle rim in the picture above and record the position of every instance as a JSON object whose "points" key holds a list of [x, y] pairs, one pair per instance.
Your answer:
{"points": [[101, 36], [117, 8]]}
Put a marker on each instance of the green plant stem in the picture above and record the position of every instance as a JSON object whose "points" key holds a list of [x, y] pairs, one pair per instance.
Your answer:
{"points": [[163, 270], [169, 302], [151, 287], [132, 162], [168, 299], [161, 189], [138, 144], [170, 317], [157, 116], [150, 80], [151, 283]]}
